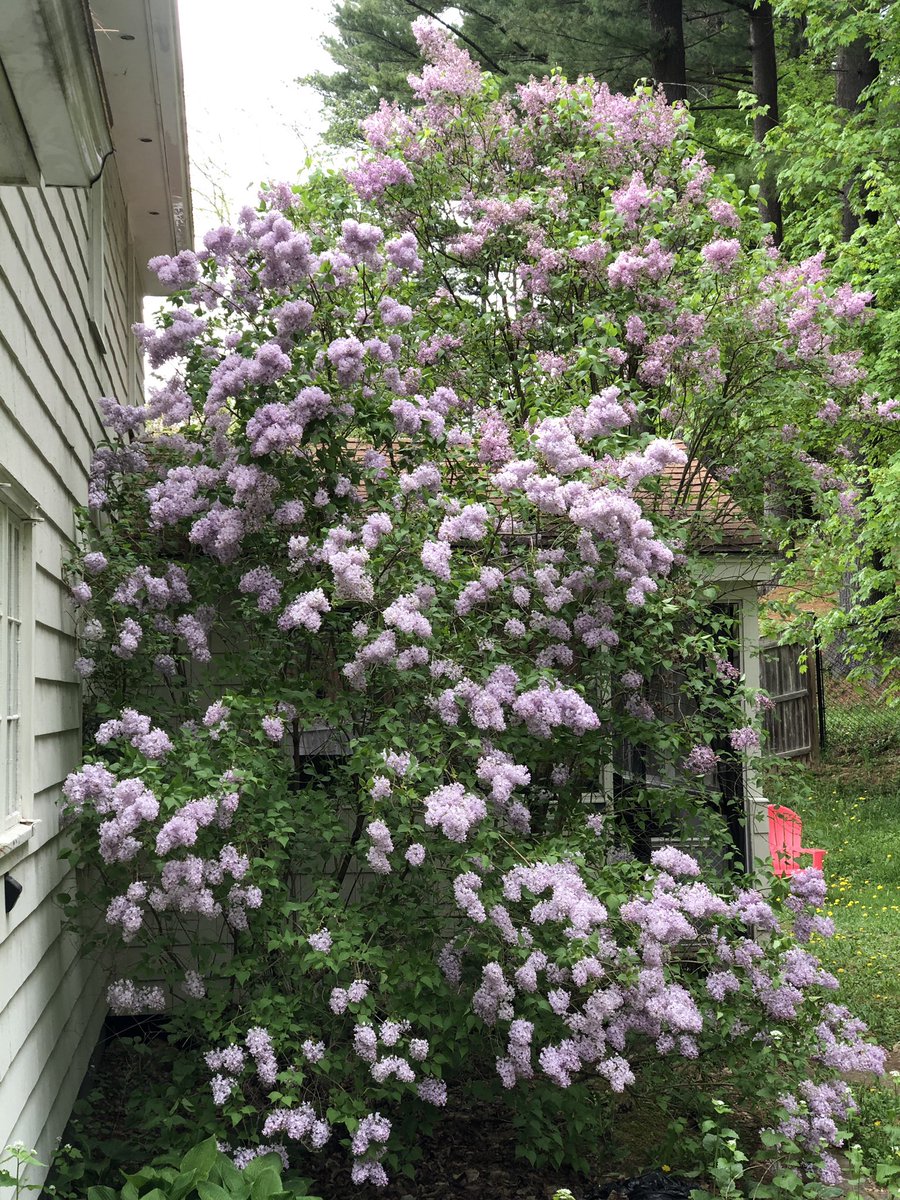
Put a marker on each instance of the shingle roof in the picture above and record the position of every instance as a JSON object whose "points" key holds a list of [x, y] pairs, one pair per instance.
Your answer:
{"points": [[799, 599], [716, 523]]}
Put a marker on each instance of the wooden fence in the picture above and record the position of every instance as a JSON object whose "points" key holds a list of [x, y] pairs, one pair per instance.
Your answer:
{"points": [[793, 723]]}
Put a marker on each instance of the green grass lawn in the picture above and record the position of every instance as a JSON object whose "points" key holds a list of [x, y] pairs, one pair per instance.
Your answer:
{"points": [[850, 806], [858, 823]]}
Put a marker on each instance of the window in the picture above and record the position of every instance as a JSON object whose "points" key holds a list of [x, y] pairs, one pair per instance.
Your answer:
{"points": [[15, 669]]}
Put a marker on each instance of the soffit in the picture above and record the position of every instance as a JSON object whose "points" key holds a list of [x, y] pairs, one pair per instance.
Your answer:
{"points": [[140, 54]]}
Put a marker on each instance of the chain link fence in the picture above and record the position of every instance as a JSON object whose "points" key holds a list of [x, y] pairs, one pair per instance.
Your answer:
{"points": [[859, 721]]}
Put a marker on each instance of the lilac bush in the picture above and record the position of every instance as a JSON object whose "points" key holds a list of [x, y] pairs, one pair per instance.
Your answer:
{"points": [[391, 562]]}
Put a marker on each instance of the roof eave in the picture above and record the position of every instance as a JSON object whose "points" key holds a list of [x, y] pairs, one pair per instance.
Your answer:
{"points": [[54, 93]]}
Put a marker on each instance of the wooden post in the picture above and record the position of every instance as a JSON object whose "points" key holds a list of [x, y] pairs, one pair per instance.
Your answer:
{"points": [[812, 689]]}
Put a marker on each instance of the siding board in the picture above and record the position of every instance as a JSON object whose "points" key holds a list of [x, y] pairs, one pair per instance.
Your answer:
{"points": [[51, 374], [52, 606], [57, 707], [41, 873], [53, 654], [39, 326], [55, 755], [58, 293], [28, 1085], [41, 984], [25, 462], [26, 953], [52, 1101]]}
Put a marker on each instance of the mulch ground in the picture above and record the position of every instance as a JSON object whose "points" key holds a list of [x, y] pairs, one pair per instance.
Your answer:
{"points": [[469, 1158]]}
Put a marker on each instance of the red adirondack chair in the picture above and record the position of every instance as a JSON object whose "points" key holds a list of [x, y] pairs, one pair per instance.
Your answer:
{"points": [[785, 833]]}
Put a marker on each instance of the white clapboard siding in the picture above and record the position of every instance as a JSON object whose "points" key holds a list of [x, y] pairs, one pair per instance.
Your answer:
{"points": [[58, 355]]}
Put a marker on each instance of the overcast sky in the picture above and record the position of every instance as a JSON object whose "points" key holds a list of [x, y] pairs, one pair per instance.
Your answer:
{"points": [[247, 118]]}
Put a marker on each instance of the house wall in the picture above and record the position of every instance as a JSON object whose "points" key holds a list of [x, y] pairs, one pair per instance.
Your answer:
{"points": [[52, 370]]}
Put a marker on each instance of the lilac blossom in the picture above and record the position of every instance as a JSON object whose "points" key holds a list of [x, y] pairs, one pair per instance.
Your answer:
{"points": [[125, 996], [436, 558], [360, 241], [194, 985], [744, 739], [273, 728], [675, 861], [454, 810], [321, 941], [545, 708], [381, 846], [130, 636], [701, 760], [95, 563], [470, 524], [259, 1044], [397, 762], [373, 1128], [721, 254], [305, 612], [313, 1052], [415, 854], [503, 775]]}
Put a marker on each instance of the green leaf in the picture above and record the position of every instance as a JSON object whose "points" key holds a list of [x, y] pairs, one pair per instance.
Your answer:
{"points": [[258, 1166], [184, 1183], [788, 1180], [201, 1158], [214, 1191], [226, 1173], [266, 1185], [145, 1175], [102, 1193]]}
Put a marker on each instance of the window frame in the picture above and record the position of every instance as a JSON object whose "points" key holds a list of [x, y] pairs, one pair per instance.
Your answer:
{"points": [[17, 515]]}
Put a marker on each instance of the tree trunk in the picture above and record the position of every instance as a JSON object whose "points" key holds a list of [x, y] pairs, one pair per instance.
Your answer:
{"points": [[854, 70], [797, 39], [667, 60], [765, 86]]}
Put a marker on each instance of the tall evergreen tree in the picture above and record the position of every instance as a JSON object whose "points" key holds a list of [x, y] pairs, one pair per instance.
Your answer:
{"points": [[697, 49]]}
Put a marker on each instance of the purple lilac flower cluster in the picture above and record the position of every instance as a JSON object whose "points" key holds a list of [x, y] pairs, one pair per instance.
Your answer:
{"points": [[603, 1013]]}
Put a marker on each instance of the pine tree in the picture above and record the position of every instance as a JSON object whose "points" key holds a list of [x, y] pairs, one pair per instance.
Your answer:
{"points": [[696, 49]]}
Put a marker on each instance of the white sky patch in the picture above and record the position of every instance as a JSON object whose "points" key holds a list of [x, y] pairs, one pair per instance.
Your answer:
{"points": [[248, 120]]}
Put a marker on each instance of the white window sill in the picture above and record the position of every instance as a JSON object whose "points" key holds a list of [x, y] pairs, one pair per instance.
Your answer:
{"points": [[16, 836]]}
